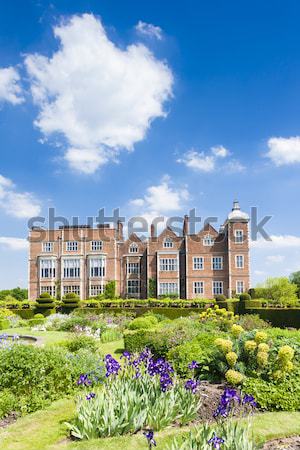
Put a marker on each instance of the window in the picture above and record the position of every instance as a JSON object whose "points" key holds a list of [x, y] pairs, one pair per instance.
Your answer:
{"points": [[239, 287], [217, 287], [133, 287], [168, 243], [239, 261], [217, 263], [72, 289], [198, 263], [96, 290], [168, 264], [47, 268], [71, 268], [49, 289], [133, 267], [97, 267], [198, 287], [168, 288], [238, 236], [208, 240], [47, 247], [133, 248], [72, 246], [97, 246]]}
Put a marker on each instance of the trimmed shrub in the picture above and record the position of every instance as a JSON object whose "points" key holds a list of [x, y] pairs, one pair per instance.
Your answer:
{"points": [[79, 342], [244, 297], [220, 298], [143, 323]]}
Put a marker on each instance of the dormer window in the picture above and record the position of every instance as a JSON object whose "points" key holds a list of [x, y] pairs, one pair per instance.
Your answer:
{"points": [[208, 240], [133, 248], [168, 243]]}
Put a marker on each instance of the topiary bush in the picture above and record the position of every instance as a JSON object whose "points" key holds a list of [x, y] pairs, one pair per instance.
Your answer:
{"points": [[244, 297], [78, 342], [143, 323], [220, 298]]}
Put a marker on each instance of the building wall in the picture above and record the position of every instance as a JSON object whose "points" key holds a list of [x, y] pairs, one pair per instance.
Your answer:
{"points": [[148, 255]]}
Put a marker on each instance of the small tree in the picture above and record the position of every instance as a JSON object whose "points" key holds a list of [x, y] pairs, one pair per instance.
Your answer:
{"points": [[152, 288], [110, 290], [295, 278], [282, 291]]}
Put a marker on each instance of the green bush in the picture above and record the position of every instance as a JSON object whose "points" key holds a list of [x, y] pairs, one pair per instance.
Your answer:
{"points": [[245, 296], [200, 349], [220, 298], [45, 295], [4, 324], [110, 290], [36, 321], [283, 395], [38, 316], [73, 321], [8, 402], [79, 342], [252, 321], [143, 323], [71, 296]]}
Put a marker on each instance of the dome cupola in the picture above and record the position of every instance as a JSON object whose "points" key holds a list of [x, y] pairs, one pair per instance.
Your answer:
{"points": [[236, 215]]}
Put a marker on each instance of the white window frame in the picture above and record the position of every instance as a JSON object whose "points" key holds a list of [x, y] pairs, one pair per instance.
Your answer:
{"points": [[168, 264], [96, 289], [72, 246], [217, 263], [96, 246], [71, 290], [208, 241], [133, 268], [167, 288], [198, 288], [217, 289], [47, 268], [97, 267], [240, 287], [239, 261], [133, 287], [71, 268], [47, 247], [168, 243], [133, 248], [198, 263], [239, 236], [50, 289]]}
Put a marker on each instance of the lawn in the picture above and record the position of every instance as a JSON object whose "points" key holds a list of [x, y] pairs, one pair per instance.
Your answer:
{"points": [[45, 430]]}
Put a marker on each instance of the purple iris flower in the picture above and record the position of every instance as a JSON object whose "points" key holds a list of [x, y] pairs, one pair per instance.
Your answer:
{"points": [[227, 401], [193, 365], [112, 366], [84, 380], [149, 435], [90, 395], [249, 400], [192, 385], [216, 441], [126, 355], [165, 382]]}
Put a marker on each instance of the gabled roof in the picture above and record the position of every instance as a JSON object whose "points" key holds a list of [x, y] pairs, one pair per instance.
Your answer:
{"points": [[208, 228], [167, 232]]}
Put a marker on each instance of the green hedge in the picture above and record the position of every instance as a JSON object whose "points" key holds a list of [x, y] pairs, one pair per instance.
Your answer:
{"points": [[279, 317]]}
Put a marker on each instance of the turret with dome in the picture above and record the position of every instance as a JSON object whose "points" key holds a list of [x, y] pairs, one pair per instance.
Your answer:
{"points": [[236, 215]]}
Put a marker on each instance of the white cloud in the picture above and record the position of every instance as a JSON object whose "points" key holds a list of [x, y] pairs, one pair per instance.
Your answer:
{"points": [[275, 258], [202, 162], [277, 241], [137, 202], [284, 151], [198, 161], [219, 151], [17, 204], [14, 243], [97, 98], [148, 29], [10, 89]]}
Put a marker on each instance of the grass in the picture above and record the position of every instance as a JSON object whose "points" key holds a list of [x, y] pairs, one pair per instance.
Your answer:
{"points": [[48, 337], [45, 430]]}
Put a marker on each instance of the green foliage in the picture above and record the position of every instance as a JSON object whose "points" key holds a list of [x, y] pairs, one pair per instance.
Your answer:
{"points": [[244, 297], [282, 291], [4, 324], [16, 293], [127, 404], [143, 323], [220, 298], [39, 316], [36, 321], [78, 342], [295, 279], [252, 322], [71, 322], [110, 289], [200, 349], [273, 396], [111, 335], [45, 295], [8, 402], [152, 287], [237, 436]]}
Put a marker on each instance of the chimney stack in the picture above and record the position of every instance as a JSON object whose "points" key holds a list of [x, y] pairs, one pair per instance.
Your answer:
{"points": [[152, 231], [120, 231], [185, 229]]}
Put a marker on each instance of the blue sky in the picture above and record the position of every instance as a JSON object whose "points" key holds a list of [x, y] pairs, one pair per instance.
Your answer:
{"points": [[153, 107]]}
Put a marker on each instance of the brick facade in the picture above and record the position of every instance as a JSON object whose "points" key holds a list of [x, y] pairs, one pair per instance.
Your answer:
{"points": [[83, 259]]}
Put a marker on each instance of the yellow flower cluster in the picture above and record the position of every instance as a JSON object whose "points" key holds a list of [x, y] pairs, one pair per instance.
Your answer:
{"points": [[284, 362], [250, 346], [263, 348], [231, 358], [234, 377], [262, 359], [225, 345], [236, 330], [260, 336]]}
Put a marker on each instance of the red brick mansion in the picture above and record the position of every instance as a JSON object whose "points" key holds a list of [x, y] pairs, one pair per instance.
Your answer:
{"points": [[83, 259]]}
